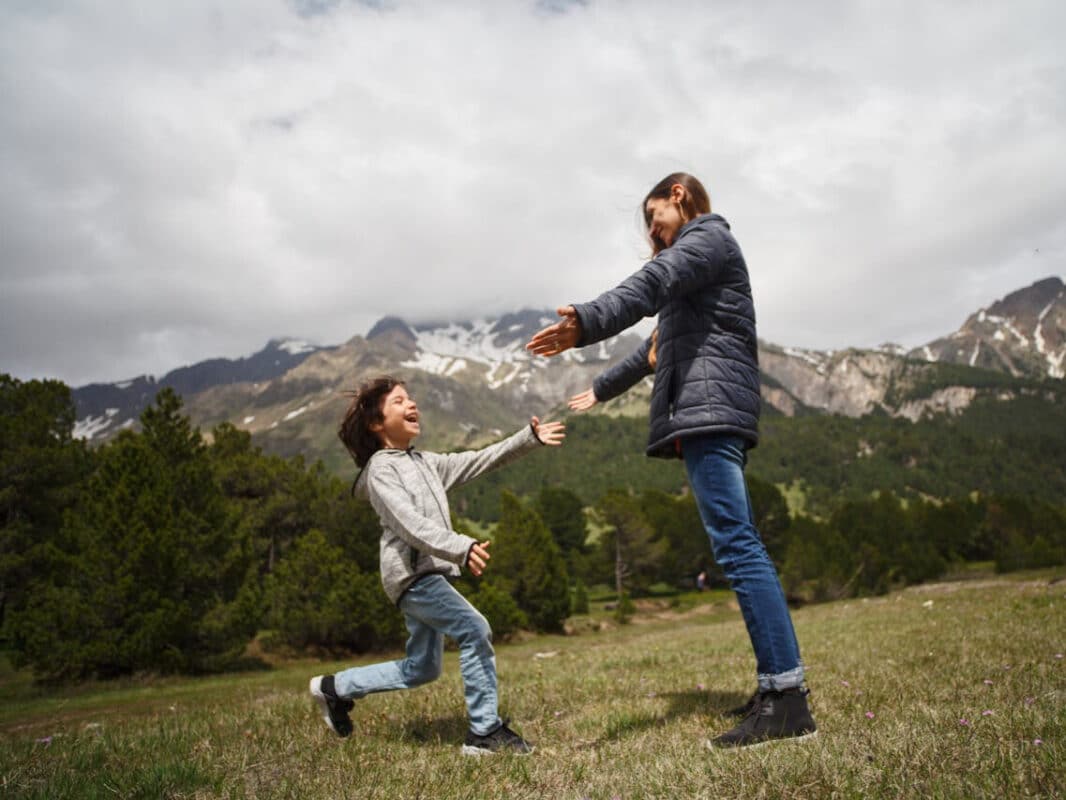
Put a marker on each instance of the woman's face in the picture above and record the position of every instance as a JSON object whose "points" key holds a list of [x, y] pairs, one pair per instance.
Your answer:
{"points": [[664, 219]]}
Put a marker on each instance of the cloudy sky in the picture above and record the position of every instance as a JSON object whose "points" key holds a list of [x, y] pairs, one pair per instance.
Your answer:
{"points": [[186, 180]]}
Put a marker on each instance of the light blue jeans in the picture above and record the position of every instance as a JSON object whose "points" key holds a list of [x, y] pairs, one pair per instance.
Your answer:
{"points": [[433, 609], [715, 466]]}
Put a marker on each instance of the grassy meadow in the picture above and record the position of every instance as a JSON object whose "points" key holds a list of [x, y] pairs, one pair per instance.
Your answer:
{"points": [[946, 690]]}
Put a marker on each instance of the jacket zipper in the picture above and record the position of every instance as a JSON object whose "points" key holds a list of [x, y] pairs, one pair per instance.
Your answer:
{"points": [[419, 467]]}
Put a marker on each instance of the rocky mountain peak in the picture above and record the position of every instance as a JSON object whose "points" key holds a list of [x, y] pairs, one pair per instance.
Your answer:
{"points": [[393, 327], [1023, 334], [1028, 302]]}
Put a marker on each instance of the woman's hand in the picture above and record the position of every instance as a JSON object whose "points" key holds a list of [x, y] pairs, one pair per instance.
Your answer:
{"points": [[583, 402], [477, 558], [559, 337], [653, 354], [549, 433]]}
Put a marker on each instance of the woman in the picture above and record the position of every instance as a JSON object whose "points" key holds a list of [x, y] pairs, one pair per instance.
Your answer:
{"points": [[704, 409]]}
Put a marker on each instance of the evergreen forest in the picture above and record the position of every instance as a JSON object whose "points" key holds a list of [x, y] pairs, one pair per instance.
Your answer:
{"points": [[170, 549]]}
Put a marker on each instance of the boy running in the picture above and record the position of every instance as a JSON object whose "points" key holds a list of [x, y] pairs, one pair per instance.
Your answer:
{"points": [[419, 554]]}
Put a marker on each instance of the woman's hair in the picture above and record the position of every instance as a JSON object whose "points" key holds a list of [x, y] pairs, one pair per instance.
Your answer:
{"points": [[695, 202], [364, 411]]}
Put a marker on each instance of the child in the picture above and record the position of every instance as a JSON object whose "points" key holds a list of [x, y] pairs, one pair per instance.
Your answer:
{"points": [[419, 553]]}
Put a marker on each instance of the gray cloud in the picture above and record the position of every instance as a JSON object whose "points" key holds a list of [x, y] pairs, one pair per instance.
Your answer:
{"points": [[191, 180]]}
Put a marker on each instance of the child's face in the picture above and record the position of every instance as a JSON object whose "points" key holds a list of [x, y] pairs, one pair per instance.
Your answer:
{"points": [[400, 423]]}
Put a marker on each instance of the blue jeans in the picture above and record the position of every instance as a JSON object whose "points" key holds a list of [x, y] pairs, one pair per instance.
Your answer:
{"points": [[433, 609], [715, 466]]}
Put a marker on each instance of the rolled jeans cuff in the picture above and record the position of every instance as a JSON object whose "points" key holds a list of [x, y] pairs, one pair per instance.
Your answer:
{"points": [[792, 679]]}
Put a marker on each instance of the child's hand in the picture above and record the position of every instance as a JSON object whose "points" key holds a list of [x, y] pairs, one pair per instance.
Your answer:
{"points": [[549, 433], [583, 402], [478, 558]]}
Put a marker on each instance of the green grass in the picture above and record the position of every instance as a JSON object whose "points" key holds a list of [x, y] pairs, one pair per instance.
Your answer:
{"points": [[621, 713]]}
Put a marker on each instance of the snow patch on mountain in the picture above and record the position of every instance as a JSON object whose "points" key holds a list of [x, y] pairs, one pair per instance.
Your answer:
{"points": [[88, 427], [817, 359], [474, 342], [435, 363], [497, 344], [296, 413], [295, 346]]}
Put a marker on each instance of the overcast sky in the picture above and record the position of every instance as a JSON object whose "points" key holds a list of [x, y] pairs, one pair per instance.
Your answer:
{"points": [[186, 180]]}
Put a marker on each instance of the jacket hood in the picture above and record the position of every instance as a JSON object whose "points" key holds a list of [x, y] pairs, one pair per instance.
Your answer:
{"points": [[359, 485]]}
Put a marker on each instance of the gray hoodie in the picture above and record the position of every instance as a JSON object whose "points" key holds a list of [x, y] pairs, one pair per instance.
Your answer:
{"points": [[408, 490]]}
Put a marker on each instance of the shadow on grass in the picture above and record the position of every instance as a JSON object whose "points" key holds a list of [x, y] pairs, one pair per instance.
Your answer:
{"points": [[681, 704], [441, 730], [452, 729]]}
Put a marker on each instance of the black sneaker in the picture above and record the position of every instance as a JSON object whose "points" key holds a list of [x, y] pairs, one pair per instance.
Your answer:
{"points": [[774, 716], [743, 710], [334, 709], [501, 740]]}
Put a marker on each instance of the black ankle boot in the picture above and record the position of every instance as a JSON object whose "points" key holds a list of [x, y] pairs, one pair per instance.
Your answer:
{"points": [[774, 716]]}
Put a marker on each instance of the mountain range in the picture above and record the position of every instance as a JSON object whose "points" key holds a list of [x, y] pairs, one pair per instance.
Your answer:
{"points": [[474, 380]]}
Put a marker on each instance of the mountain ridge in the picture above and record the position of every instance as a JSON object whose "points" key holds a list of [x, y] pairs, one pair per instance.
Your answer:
{"points": [[474, 379]]}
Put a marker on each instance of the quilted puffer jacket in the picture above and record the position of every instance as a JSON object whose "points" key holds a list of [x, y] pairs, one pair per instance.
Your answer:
{"points": [[707, 372]]}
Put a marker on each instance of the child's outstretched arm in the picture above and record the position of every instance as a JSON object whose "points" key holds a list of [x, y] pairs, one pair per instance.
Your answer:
{"points": [[455, 469]]}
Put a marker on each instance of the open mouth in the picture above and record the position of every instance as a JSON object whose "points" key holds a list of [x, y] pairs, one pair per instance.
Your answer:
{"points": [[412, 418]]}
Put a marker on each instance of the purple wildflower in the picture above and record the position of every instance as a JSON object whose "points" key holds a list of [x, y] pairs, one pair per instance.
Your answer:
{"points": [[869, 715]]}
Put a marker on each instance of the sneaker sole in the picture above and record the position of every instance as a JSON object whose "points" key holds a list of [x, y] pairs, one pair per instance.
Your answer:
{"points": [[717, 748], [478, 752]]}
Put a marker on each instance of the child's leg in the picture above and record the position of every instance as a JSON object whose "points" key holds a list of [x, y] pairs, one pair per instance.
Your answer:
{"points": [[437, 604], [422, 664]]}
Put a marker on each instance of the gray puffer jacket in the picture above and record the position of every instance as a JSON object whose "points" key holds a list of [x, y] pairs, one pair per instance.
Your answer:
{"points": [[408, 490], [707, 371]]}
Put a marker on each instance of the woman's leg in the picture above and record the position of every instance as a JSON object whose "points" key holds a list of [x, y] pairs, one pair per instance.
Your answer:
{"points": [[715, 466]]}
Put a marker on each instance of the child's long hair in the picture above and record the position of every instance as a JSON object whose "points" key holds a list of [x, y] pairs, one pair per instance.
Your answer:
{"points": [[364, 411]]}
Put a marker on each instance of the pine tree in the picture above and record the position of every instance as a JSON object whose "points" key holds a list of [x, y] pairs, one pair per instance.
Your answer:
{"points": [[41, 466], [320, 598], [526, 563], [148, 573], [631, 543]]}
